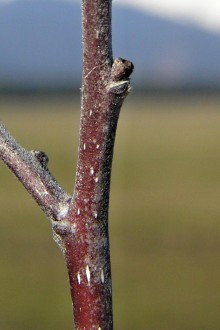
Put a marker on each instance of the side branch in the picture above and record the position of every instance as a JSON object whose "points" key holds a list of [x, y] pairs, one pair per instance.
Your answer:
{"points": [[34, 175]]}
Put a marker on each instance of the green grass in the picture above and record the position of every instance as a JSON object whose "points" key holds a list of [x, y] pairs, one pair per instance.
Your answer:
{"points": [[164, 217]]}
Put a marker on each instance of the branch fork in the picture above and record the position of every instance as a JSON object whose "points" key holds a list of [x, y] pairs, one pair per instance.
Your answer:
{"points": [[31, 167], [80, 221]]}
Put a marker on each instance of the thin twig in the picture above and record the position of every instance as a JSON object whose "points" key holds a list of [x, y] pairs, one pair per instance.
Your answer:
{"points": [[81, 224], [38, 181], [105, 85]]}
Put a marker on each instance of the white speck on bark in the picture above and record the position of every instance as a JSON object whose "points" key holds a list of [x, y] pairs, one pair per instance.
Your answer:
{"points": [[62, 212], [102, 276], [88, 274], [79, 278], [92, 171], [84, 146], [78, 211], [97, 34]]}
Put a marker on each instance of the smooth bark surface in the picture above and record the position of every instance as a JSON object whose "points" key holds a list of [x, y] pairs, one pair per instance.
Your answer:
{"points": [[103, 90], [80, 222]]}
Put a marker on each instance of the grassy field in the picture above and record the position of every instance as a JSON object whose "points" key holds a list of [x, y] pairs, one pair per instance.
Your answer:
{"points": [[164, 216]]}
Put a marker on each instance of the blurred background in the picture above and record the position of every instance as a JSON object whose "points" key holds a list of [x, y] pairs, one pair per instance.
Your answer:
{"points": [[164, 208]]}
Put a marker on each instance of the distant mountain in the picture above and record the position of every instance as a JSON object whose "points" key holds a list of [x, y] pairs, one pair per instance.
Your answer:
{"points": [[165, 52], [41, 47]]}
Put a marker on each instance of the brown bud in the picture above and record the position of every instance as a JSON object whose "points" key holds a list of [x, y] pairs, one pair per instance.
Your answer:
{"points": [[121, 69]]}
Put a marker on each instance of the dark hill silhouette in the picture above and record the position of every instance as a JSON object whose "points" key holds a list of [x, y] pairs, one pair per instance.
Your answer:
{"points": [[41, 46]]}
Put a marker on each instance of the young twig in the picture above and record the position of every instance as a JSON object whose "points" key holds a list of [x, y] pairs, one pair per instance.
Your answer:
{"points": [[80, 222], [36, 178]]}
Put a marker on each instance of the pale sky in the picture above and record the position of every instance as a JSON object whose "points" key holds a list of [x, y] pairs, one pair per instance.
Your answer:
{"points": [[204, 13]]}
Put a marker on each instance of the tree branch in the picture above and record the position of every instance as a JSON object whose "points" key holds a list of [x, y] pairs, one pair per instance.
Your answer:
{"points": [[81, 225], [34, 176], [104, 88]]}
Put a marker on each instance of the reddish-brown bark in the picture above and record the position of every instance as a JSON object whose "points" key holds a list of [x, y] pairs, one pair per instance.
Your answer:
{"points": [[88, 257], [80, 222]]}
